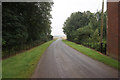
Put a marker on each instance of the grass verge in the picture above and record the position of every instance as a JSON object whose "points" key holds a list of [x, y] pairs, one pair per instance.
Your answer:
{"points": [[23, 65], [94, 54]]}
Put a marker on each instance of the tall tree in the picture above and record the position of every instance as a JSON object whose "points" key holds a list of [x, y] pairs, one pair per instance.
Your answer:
{"points": [[25, 24]]}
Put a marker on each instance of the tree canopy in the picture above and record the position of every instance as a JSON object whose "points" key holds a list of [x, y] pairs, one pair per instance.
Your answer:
{"points": [[24, 25], [84, 28]]}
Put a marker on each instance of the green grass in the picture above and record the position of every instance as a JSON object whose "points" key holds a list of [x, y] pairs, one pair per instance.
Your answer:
{"points": [[23, 65], [94, 54]]}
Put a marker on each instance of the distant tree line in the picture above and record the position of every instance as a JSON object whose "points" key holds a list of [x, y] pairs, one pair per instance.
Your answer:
{"points": [[84, 28], [25, 25]]}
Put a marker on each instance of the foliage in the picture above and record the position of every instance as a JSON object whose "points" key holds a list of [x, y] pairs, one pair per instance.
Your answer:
{"points": [[25, 24], [84, 28]]}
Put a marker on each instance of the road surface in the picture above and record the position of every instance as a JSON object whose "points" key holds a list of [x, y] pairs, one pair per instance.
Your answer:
{"points": [[62, 61]]}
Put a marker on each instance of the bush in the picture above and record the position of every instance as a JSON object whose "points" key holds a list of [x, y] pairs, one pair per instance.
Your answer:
{"points": [[96, 46]]}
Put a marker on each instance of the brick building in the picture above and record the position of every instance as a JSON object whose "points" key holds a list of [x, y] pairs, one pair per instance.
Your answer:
{"points": [[113, 28]]}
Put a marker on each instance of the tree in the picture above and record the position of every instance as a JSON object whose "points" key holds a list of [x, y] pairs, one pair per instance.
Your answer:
{"points": [[84, 28], [25, 24]]}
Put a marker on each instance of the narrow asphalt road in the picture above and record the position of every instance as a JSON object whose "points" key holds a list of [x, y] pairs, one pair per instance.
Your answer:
{"points": [[62, 61]]}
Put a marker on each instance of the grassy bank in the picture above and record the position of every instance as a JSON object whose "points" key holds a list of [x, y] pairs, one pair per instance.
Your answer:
{"points": [[23, 65], [93, 54]]}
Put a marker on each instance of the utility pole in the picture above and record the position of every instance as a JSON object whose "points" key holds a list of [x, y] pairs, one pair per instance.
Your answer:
{"points": [[101, 32]]}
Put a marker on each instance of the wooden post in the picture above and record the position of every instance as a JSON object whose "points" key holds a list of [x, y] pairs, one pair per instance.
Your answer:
{"points": [[101, 32]]}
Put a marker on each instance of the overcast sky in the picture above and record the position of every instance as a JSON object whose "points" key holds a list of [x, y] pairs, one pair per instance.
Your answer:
{"points": [[63, 9]]}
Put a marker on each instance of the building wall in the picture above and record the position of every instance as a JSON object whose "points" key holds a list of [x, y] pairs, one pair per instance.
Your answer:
{"points": [[112, 29]]}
